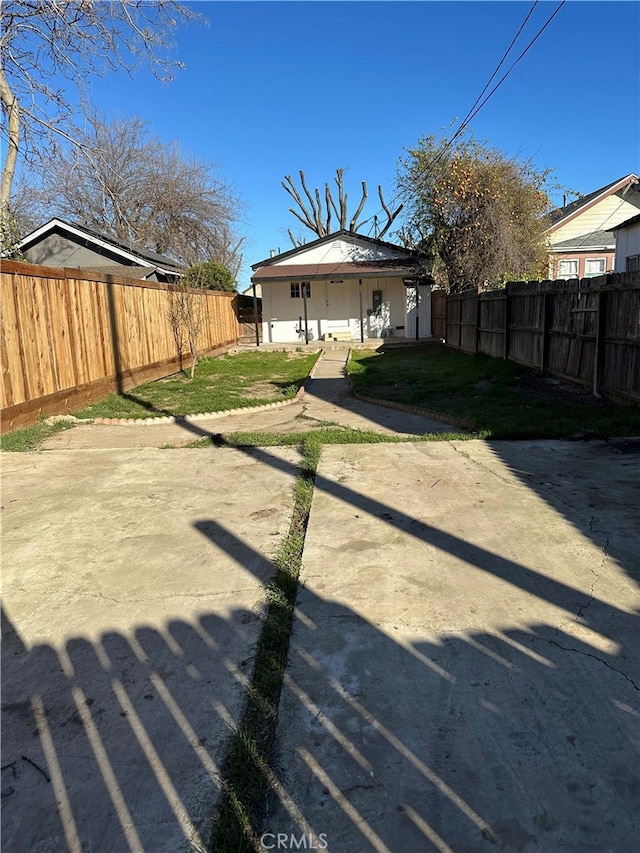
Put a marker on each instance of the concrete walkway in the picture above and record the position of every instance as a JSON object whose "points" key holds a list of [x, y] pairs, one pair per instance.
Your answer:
{"points": [[463, 673], [464, 667]]}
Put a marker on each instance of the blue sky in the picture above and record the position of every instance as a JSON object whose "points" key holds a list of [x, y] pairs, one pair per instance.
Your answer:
{"points": [[271, 88]]}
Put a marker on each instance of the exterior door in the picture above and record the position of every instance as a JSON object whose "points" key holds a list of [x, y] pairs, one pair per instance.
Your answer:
{"points": [[418, 312]]}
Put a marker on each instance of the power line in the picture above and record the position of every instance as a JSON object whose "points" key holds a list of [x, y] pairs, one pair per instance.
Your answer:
{"points": [[511, 67], [479, 102], [499, 65]]}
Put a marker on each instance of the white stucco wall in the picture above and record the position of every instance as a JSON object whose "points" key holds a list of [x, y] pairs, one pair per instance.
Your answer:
{"points": [[334, 307], [627, 243]]}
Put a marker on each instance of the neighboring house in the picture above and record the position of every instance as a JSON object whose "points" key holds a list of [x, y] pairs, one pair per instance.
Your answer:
{"points": [[343, 287], [581, 242], [627, 236], [249, 291], [59, 244]]}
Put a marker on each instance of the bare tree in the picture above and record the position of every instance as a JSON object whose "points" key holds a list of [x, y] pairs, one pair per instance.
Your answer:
{"points": [[127, 183], [186, 315], [42, 41], [316, 212]]}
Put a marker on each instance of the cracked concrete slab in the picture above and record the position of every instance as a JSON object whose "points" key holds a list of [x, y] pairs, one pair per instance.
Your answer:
{"points": [[464, 664], [133, 592]]}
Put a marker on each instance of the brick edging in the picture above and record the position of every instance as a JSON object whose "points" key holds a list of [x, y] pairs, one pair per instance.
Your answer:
{"points": [[176, 419]]}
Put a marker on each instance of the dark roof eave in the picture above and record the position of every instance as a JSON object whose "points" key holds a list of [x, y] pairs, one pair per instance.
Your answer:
{"points": [[314, 272]]}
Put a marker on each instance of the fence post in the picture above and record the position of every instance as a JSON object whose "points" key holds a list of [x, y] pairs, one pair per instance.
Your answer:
{"points": [[598, 358], [446, 316], [478, 322], [545, 332], [507, 318]]}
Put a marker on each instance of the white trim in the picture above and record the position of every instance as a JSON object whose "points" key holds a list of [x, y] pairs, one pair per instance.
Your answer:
{"points": [[105, 244], [631, 179]]}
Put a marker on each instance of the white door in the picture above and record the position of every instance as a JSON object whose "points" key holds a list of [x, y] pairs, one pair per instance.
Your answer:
{"points": [[418, 312]]}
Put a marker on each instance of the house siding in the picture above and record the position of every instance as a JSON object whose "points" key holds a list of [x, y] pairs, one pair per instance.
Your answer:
{"points": [[605, 214], [342, 249], [54, 250], [334, 307], [627, 244]]}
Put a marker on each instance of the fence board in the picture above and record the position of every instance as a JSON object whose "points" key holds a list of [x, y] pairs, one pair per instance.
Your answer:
{"points": [[554, 326], [69, 336], [439, 314], [469, 321]]}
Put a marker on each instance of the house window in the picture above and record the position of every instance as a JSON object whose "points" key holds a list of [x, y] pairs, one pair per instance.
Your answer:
{"points": [[633, 263], [300, 289], [377, 300], [568, 268], [595, 266]]}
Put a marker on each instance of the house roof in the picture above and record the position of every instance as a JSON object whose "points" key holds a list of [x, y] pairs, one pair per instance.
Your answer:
{"points": [[631, 221], [346, 269], [328, 239], [563, 214], [585, 242], [132, 254]]}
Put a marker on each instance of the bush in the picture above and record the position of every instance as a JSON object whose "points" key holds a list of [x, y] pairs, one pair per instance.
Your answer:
{"points": [[210, 276]]}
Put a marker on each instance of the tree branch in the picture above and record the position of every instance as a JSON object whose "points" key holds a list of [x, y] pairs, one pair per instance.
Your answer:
{"points": [[390, 216], [354, 218]]}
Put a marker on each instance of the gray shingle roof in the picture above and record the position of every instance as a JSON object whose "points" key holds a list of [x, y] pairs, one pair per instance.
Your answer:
{"points": [[594, 240]]}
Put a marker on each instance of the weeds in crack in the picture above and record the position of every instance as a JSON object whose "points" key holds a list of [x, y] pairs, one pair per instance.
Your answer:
{"points": [[246, 775]]}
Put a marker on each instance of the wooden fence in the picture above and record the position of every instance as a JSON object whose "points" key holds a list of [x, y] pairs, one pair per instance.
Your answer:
{"points": [[587, 330], [249, 314], [70, 336]]}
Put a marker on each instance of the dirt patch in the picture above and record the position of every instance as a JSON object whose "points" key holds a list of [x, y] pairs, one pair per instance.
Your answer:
{"points": [[541, 386], [264, 391]]}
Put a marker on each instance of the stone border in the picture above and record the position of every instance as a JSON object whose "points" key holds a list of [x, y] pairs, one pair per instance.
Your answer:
{"points": [[177, 419]]}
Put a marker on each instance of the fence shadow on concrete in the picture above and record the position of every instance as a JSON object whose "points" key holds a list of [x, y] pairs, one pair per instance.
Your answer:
{"points": [[496, 739], [112, 745], [511, 738]]}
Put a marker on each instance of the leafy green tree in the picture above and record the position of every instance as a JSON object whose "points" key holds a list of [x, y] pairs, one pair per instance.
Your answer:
{"points": [[478, 215], [210, 275]]}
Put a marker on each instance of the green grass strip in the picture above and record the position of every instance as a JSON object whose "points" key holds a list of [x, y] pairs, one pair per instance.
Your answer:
{"points": [[225, 383], [246, 772], [30, 438], [319, 436]]}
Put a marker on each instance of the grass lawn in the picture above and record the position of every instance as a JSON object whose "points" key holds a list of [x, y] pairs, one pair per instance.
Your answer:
{"points": [[228, 382], [501, 399], [28, 438]]}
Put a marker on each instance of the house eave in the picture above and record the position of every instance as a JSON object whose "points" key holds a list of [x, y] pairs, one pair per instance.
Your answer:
{"points": [[631, 179], [107, 245], [333, 272], [335, 235]]}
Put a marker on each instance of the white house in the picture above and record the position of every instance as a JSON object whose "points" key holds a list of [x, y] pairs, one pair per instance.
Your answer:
{"points": [[627, 236], [343, 287]]}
